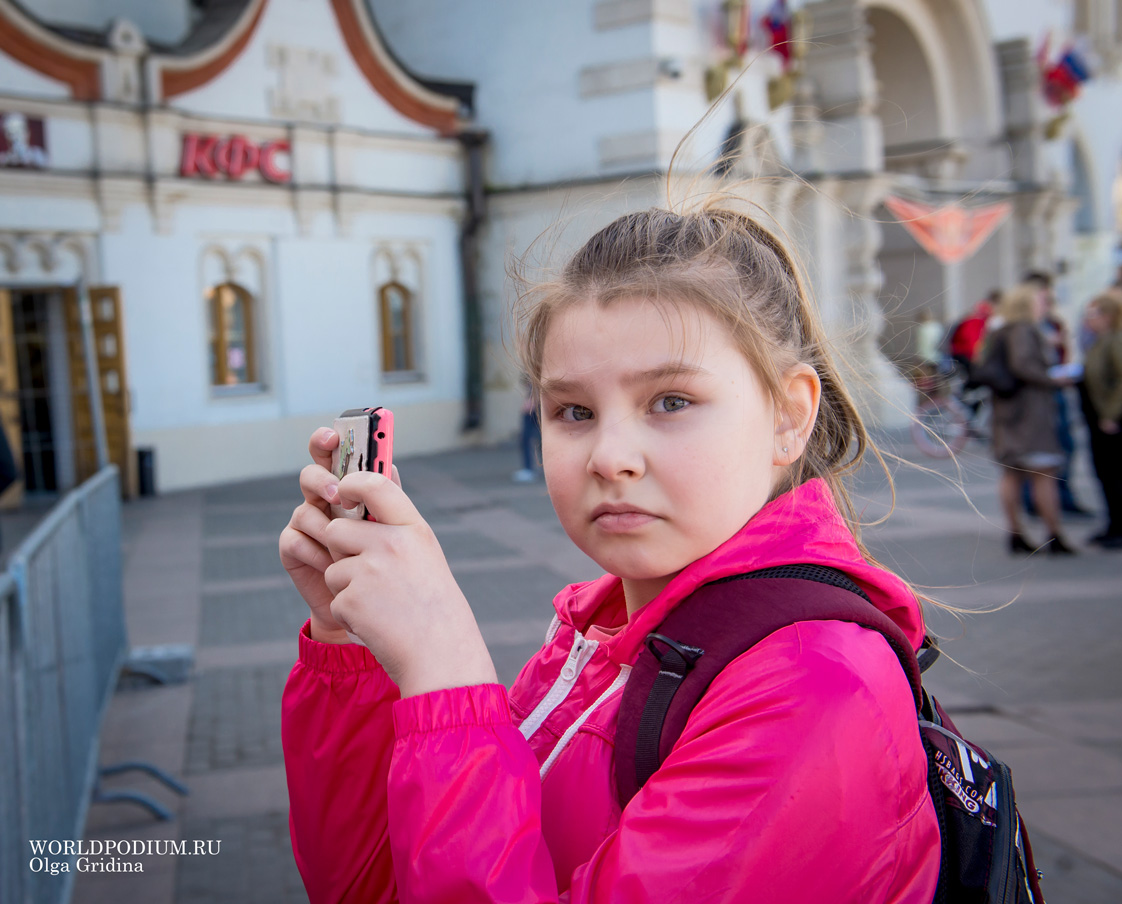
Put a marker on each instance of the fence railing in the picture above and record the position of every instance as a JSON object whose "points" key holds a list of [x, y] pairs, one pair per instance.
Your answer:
{"points": [[62, 642]]}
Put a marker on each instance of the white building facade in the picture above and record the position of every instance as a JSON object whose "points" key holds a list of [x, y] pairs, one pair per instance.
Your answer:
{"points": [[289, 222], [937, 100], [268, 218]]}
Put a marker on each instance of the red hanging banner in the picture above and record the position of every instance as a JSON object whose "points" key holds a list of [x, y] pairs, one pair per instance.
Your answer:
{"points": [[950, 233]]}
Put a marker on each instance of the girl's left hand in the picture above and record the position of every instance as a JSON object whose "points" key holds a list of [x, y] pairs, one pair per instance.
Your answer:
{"points": [[394, 590], [1110, 427]]}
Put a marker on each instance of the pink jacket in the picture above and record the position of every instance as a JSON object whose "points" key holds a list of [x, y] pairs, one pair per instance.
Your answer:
{"points": [[800, 777]]}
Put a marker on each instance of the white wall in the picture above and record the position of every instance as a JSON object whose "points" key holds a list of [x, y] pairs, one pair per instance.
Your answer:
{"points": [[242, 90], [16, 78]]}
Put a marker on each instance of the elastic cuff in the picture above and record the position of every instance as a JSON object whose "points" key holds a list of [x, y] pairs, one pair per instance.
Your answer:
{"points": [[334, 657], [478, 705]]}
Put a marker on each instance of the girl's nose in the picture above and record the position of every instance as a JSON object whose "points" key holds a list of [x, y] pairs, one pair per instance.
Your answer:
{"points": [[617, 452]]}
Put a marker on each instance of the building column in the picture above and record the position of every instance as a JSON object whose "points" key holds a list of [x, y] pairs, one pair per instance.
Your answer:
{"points": [[850, 156]]}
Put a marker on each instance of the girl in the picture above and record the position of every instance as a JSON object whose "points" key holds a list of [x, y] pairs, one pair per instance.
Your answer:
{"points": [[693, 428]]}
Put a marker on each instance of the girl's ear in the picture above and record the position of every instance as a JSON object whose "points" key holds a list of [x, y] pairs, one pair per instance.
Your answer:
{"points": [[796, 411]]}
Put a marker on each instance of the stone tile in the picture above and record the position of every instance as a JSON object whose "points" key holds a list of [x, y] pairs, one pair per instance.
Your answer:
{"points": [[1070, 876], [1088, 824], [155, 885], [1062, 767], [237, 792], [510, 593], [465, 545], [148, 724], [233, 656], [270, 489], [259, 520], [227, 563], [1095, 721], [251, 616], [253, 866], [998, 732], [235, 721]]}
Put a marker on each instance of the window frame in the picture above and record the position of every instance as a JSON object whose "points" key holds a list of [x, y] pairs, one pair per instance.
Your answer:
{"points": [[218, 340], [410, 370]]}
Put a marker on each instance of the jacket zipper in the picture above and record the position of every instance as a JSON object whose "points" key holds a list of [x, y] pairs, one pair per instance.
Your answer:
{"points": [[579, 656], [620, 681]]}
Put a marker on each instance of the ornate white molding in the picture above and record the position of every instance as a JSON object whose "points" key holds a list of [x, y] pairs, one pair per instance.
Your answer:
{"points": [[52, 258]]}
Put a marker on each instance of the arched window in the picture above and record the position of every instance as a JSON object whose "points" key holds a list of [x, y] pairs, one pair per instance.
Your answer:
{"points": [[396, 302], [232, 358]]}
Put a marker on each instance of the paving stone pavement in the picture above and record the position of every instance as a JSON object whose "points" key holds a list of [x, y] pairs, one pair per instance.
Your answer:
{"points": [[1040, 678]]}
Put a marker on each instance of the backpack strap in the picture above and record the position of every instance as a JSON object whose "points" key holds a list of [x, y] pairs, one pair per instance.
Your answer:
{"points": [[713, 626]]}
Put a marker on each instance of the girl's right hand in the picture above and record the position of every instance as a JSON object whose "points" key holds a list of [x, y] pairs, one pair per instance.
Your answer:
{"points": [[302, 551]]}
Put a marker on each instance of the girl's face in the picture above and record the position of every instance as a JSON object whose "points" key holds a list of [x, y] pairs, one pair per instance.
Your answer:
{"points": [[658, 440]]}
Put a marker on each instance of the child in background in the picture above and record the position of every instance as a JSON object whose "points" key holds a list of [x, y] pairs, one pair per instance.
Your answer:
{"points": [[694, 427]]}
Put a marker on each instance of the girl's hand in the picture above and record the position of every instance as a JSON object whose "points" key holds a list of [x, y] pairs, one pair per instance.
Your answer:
{"points": [[1110, 427], [302, 550], [392, 588]]}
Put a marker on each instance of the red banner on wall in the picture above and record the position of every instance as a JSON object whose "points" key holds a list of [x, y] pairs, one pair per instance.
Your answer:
{"points": [[952, 232]]}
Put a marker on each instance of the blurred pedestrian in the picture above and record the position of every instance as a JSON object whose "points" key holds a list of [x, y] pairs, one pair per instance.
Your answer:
{"points": [[530, 440], [967, 334], [1056, 335], [929, 341], [1025, 444], [1101, 394]]}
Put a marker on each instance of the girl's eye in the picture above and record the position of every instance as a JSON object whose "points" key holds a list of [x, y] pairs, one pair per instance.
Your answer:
{"points": [[575, 413], [671, 403]]}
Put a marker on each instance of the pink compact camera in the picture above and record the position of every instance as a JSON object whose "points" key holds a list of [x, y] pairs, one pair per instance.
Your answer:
{"points": [[365, 444]]}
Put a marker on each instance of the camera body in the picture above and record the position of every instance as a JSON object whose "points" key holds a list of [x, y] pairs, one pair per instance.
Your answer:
{"points": [[365, 444]]}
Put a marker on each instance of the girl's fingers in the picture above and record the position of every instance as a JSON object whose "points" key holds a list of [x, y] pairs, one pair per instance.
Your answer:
{"points": [[338, 575], [319, 486], [350, 537], [311, 521], [297, 548], [322, 443], [384, 498]]}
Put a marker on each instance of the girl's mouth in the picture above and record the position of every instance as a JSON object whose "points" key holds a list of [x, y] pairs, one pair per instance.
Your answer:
{"points": [[617, 519]]}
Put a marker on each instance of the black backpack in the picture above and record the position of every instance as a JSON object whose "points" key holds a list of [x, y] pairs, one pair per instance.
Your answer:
{"points": [[986, 856]]}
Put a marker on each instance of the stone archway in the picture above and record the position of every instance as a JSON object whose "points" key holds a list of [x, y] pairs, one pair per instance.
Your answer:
{"points": [[938, 105]]}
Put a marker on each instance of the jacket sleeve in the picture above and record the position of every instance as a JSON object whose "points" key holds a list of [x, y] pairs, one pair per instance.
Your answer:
{"points": [[804, 789], [337, 734]]}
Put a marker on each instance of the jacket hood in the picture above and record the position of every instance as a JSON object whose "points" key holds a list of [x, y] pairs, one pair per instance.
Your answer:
{"points": [[801, 526]]}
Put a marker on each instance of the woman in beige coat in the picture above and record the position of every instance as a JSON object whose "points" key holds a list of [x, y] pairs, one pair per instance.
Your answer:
{"points": [[1024, 423]]}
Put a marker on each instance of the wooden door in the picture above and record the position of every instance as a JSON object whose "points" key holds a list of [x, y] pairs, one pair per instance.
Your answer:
{"points": [[108, 329], [9, 399]]}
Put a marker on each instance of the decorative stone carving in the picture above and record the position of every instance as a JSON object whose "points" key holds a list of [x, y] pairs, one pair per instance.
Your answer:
{"points": [[304, 82], [46, 257], [120, 73]]}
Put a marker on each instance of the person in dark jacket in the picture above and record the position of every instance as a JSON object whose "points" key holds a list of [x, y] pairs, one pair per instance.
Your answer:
{"points": [[1101, 394], [1024, 424]]}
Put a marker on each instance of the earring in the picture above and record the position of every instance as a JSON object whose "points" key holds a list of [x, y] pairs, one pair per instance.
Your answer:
{"points": [[784, 448]]}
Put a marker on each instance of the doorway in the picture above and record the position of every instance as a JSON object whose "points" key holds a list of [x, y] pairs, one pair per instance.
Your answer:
{"points": [[44, 403]]}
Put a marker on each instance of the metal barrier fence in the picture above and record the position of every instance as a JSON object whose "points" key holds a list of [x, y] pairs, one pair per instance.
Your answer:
{"points": [[62, 642]]}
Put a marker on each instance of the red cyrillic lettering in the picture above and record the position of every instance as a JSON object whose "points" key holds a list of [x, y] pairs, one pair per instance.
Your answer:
{"points": [[268, 165], [198, 156], [236, 156]]}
